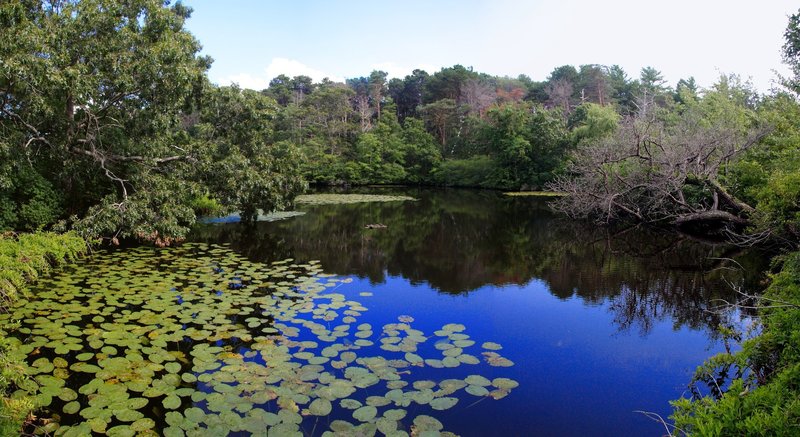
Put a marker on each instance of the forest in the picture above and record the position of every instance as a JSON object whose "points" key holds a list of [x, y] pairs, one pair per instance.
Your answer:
{"points": [[111, 131]]}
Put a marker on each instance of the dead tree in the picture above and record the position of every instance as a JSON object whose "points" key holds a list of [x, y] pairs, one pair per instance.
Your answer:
{"points": [[650, 171]]}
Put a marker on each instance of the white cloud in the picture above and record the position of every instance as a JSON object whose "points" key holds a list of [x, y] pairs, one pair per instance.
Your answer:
{"points": [[245, 80], [276, 67]]}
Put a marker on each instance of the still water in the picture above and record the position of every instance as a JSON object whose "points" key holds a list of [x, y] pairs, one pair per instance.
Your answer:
{"points": [[599, 323], [464, 311]]}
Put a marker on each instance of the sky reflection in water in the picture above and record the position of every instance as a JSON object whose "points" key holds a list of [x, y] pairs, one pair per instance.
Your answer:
{"points": [[600, 323]]}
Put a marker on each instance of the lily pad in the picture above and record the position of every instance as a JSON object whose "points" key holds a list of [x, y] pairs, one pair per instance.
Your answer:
{"points": [[320, 407], [365, 414], [443, 403]]}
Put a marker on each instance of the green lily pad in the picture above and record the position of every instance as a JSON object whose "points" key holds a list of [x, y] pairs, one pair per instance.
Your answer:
{"points": [[477, 380], [320, 407], [365, 414], [395, 414], [491, 346], [143, 425], [71, 407], [350, 404], [505, 383], [477, 390], [172, 402], [427, 423]]}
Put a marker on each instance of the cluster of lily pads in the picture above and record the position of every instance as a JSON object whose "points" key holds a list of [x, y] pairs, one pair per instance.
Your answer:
{"points": [[333, 199], [199, 341]]}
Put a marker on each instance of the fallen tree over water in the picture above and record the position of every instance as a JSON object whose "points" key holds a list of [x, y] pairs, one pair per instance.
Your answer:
{"points": [[657, 171]]}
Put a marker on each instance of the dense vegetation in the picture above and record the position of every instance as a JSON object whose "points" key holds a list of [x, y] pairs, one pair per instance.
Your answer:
{"points": [[119, 134], [110, 127], [23, 258]]}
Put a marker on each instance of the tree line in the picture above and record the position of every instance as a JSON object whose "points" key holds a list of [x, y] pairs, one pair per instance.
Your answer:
{"points": [[110, 126]]}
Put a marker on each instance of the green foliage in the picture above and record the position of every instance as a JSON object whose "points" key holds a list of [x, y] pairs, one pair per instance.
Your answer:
{"points": [[13, 411], [764, 400], [529, 144], [22, 260], [591, 121], [421, 155], [767, 176], [791, 52], [205, 206], [476, 171], [25, 257], [779, 200]]}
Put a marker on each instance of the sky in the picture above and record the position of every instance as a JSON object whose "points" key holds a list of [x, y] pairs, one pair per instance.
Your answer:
{"points": [[253, 41]]}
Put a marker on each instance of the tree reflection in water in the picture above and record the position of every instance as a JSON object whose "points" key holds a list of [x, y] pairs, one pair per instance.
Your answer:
{"points": [[460, 240]]}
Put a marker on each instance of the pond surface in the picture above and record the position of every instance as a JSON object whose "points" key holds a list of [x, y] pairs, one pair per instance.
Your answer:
{"points": [[463, 311]]}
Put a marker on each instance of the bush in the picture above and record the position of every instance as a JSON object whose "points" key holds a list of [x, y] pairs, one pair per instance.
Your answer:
{"points": [[765, 397], [22, 259], [478, 171], [30, 203]]}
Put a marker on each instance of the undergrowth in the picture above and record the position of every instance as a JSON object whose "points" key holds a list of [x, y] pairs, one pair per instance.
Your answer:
{"points": [[23, 258]]}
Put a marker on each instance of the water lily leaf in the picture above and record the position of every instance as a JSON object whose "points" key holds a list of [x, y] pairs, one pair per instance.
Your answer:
{"points": [[477, 380], [499, 394], [71, 407], [434, 363], [453, 352], [127, 415], [67, 394], [422, 397], [505, 383], [320, 407], [171, 402], [194, 415], [377, 401], [450, 362], [341, 426], [453, 327], [173, 431], [348, 357], [84, 356], [477, 390], [491, 346], [121, 431], [136, 403], [386, 426], [143, 425], [394, 414], [463, 343], [350, 404], [365, 414], [427, 423], [468, 359], [443, 403], [392, 385]]}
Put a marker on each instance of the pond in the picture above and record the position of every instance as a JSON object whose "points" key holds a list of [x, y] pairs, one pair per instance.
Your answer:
{"points": [[464, 312]]}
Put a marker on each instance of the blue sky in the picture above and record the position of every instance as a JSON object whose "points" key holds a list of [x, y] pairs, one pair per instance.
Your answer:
{"points": [[253, 41]]}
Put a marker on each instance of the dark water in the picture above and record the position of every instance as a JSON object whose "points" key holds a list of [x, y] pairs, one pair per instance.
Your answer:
{"points": [[600, 323]]}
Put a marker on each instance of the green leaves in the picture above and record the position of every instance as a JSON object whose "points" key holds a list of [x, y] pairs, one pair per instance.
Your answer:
{"points": [[297, 357]]}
